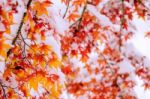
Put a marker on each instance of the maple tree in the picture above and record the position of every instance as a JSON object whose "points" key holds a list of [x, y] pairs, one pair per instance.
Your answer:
{"points": [[94, 49]]}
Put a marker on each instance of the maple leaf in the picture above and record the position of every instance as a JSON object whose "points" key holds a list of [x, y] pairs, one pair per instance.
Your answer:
{"points": [[147, 34], [33, 48], [39, 59], [11, 94], [79, 3], [55, 90], [45, 49], [146, 86], [67, 70], [20, 74], [25, 91], [8, 20], [54, 62], [42, 33], [33, 83], [128, 36], [53, 77], [73, 16], [7, 74], [64, 1], [94, 2], [41, 7], [3, 47]]}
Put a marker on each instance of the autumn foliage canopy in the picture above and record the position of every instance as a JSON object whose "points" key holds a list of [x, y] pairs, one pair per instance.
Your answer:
{"points": [[81, 49]]}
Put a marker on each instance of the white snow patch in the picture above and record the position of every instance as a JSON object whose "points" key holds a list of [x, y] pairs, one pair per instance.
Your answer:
{"points": [[125, 67], [103, 20], [139, 89], [58, 22], [2, 67], [55, 45]]}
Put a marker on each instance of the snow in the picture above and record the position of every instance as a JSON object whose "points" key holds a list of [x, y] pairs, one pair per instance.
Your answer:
{"points": [[55, 45], [147, 63], [58, 22], [2, 27], [139, 40], [2, 68], [142, 45], [125, 67], [99, 16], [65, 95], [141, 93]]}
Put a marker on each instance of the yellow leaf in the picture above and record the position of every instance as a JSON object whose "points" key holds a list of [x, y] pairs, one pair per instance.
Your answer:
{"points": [[33, 84], [55, 91], [32, 25], [21, 74], [3, 47], [54, 63], [47, 84], [41, 7], [45, 49]]}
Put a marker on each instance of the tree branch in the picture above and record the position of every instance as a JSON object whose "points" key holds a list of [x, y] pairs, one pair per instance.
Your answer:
{"points": [[80, 19], [4, 93], [67, 8], [79, 26], [20, 27]]}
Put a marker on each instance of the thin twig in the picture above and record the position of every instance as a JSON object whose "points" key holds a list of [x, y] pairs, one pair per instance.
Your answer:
{"points": [[67, 8], [4, 93], [79, 26], [24, 40], [80, 19], [75, 23]]}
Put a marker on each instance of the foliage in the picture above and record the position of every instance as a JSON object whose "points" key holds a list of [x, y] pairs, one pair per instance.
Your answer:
{"points": [[94, 52]]}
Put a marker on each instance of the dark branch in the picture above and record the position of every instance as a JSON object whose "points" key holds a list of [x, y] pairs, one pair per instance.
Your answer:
{"points": [[20, 27], [79, 26], [4, 93], [80, 19], [67, 8]]}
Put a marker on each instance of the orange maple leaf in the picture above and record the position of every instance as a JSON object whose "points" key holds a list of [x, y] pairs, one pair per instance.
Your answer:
{"points": [[41, 7], [64, 1], [67, 70], [33, 83], [73, 16], [45, 49], [79, 3], [147, 34]]}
